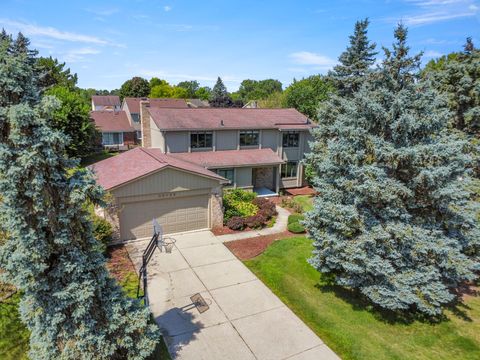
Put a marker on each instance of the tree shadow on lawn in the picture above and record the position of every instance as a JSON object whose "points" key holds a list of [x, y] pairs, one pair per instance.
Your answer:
{"points": [[359, 302]]}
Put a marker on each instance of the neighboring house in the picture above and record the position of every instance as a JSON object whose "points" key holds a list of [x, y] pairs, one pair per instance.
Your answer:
{"points": [[109, 102], [252, 104], [197, 103], [256, 149], [132, 108], [115, 129], [148, 184]]}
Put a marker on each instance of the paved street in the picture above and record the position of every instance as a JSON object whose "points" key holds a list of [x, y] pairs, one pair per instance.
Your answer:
{"points": [[245, 320]]}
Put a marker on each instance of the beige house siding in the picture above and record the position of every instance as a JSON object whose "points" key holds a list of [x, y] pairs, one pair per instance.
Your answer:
{"points": [[158, 140], [226, 140], [177, 141], [164, 181]]}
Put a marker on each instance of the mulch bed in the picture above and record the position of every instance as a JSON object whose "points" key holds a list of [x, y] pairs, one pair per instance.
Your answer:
{"points": [[249, 248], [119, 263], [306, 190]]}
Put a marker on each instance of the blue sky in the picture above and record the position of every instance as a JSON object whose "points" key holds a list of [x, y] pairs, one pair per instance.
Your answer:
{"points": [[108, 42]]}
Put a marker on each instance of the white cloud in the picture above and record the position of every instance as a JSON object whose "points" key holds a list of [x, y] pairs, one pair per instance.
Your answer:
{"points": [[309, 58], [432, 54], [434, 11], [430, 18], [50, 32], [79, 55], [167, 8]]}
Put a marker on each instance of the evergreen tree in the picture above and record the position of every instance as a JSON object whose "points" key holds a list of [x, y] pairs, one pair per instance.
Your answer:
{"points": [[72, 307], [459, 79], [393, 219], [53, 73], [219, 96], [355, 62]]}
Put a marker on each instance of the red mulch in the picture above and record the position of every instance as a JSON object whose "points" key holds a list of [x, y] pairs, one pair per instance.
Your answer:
{"points": [[224, 230], [306, 190], [118, 262], [249, 248]]}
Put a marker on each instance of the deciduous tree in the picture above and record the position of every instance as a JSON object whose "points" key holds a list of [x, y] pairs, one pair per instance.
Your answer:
{"points": [[135, 87]]}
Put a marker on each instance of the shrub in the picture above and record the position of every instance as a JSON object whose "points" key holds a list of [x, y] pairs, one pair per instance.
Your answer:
{"points": [[102, 230], [256, 221], [296, 228], [239, 195], [236, 223], [266, 206], [295, 218], [238, 202]]}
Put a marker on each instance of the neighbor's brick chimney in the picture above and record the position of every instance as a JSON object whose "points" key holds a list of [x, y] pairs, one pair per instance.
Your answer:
{"points": [[145, 123]]}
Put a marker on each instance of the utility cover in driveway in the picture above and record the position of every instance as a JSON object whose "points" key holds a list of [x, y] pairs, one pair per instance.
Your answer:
{"points": [[175, 215]]}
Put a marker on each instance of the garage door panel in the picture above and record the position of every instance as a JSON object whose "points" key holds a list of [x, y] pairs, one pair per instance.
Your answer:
{"points": [[175, 215]]}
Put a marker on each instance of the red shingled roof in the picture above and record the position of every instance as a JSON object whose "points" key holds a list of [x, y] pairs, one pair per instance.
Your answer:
{"points": [[231, 158], [130, 165], [134, 103], [111, 121], [231, 118], [106, 100]]}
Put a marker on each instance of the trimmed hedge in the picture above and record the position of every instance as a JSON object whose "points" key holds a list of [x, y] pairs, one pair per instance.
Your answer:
{"points": [[294, 224], [295, 218], [296, 228]]}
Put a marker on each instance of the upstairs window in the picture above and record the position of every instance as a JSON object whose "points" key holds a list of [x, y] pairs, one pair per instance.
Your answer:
{"points": [[291, 139], [227, 174], [249, 138], [112, 138], [135, 117], [201, 140], [289, 169]]}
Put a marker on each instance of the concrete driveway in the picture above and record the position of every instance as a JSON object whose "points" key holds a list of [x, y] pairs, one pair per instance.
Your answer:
{"points": [[245, 320]]}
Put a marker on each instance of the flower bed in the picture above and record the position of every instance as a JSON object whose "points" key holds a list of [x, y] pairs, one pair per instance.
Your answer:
{"points": [[244, 210]]}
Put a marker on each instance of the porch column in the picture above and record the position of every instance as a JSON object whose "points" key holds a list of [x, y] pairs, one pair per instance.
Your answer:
{"points": [[277, 179]]}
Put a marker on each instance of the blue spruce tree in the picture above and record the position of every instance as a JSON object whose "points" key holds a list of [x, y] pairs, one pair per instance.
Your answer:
{"points": [[72, 307], [393, 220]]}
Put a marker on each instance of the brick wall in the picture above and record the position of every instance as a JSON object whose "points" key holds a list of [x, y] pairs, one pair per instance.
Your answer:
{"points": [[145, 124], [129, 138]]}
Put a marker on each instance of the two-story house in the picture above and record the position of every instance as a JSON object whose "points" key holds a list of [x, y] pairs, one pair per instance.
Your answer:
{"points": [[188, 156], [255, 149], [131, 106]]}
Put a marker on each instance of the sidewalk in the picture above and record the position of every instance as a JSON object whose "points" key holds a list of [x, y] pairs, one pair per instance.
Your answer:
{"points": [[279, 226]]}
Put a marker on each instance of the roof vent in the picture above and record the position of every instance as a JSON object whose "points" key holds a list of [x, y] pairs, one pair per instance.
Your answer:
{"points": [[221, 123]]}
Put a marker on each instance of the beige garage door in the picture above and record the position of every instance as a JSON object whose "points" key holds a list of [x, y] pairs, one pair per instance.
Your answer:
{"points": [[175, 215]]}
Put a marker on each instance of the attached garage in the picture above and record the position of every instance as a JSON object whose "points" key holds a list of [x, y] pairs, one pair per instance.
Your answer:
{"points": [[174, 215], [147, 184]]}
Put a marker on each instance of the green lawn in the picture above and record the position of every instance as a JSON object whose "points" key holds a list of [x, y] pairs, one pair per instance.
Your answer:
{"points": [[347, 325], [305, 201], [14, 336]]}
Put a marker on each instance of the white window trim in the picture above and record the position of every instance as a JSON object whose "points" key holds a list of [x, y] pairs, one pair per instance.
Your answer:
{"points": [[113, 132]]}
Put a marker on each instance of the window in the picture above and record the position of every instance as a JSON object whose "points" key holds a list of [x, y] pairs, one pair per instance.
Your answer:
{"points": [[135, 117], [201, 140], [291, 139], [227, 174], [249, 138], [138, 134], [112, 138], [289, 169]]}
